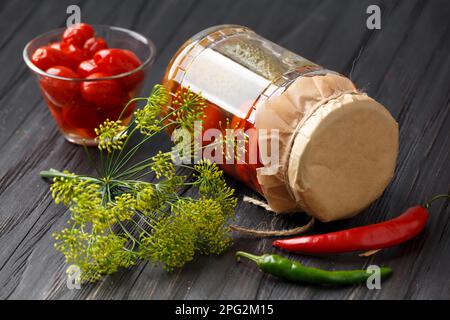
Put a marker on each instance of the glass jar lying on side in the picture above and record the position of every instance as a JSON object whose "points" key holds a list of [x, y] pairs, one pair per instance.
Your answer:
{"points": [[313, 142]]}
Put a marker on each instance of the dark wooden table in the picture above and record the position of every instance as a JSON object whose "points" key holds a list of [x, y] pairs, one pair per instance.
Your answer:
{"points": [[405, 65]]}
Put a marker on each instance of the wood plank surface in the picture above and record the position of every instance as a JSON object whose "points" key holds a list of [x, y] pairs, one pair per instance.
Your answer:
{"points": [[405, 66]]}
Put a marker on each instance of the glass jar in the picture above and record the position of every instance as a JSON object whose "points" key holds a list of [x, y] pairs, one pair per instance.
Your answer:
{"points": [[253, 84], [76, 116]]}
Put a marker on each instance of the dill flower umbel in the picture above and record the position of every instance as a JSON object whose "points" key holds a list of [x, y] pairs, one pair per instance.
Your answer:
{"points": [[162, 165], [147, 118], [111, 135], [118, 218], [188, 108]]}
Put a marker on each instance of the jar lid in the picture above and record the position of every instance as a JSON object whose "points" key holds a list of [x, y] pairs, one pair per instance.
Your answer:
{"points": [[337, 148]]}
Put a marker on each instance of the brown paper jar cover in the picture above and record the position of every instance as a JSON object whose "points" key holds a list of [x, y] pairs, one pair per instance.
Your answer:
{"points": [[337, 146]]}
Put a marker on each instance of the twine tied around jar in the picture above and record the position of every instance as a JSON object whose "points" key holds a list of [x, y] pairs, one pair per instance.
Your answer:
{"points": [[269, 233]]}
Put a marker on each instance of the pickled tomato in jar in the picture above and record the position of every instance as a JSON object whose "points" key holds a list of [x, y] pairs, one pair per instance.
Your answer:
{"points": [[307, 138]]}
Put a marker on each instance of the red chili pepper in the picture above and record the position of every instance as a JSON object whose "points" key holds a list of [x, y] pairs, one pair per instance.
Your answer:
{"points": [[371, 237]]}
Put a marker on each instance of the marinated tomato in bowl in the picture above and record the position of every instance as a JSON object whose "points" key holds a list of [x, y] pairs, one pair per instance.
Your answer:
{"points": [[86, 81]]}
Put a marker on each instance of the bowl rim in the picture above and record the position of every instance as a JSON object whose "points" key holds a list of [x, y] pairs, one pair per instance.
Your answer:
{"points": [[138, 36]]}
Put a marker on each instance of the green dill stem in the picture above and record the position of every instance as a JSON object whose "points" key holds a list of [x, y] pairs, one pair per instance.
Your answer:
{"points": [[52, 173], [131, 184], [143, 218], [89, 156], [136, 165], [115, 169], [105, 197], [131, 251], [134, 169], [140, 176], [108, 163], [132, 239], [117, 159], [130, 153], [108, 192], [126, 231], [185, 166], [128, 104], [139, 226], [110, 157], [102, 164], [128, 137]]}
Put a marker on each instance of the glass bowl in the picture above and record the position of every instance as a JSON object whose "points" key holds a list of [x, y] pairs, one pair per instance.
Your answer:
{"points": [[75, 116]]}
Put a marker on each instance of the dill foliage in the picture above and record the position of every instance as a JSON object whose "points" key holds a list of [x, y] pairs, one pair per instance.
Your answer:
{"points": [[118, 218]]}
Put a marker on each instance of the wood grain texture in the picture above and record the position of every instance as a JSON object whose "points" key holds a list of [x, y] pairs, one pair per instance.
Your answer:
{"points": [[406, 66]]}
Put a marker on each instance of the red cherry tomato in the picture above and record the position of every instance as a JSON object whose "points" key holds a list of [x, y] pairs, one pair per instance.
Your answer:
{"points": [[116, 61], [72, 52], [47, 57], [92, 45], [84, 119], [132, 56], [62, 93], [87, 67], [133, 81], [114, 114], [56, 112], [77, 34], [106, 94]]}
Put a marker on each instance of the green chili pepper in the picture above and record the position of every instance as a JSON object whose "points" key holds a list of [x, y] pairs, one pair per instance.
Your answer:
{"points": [[294, 271]]}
